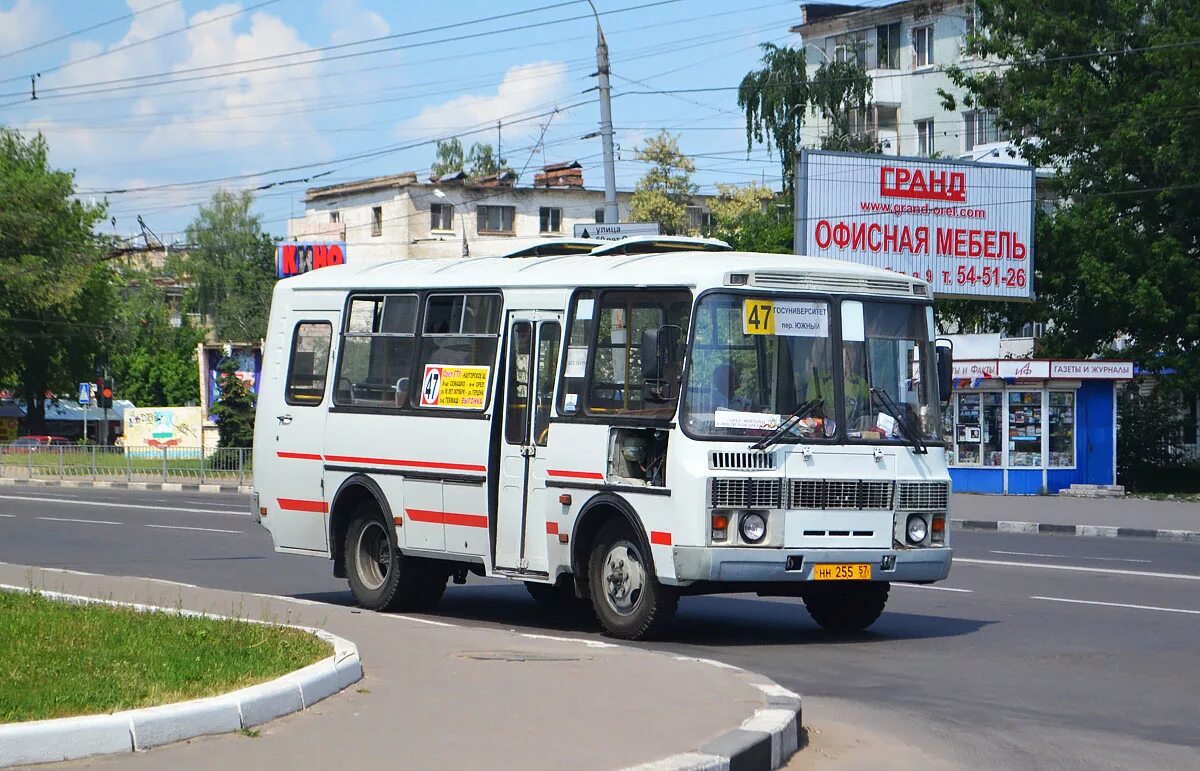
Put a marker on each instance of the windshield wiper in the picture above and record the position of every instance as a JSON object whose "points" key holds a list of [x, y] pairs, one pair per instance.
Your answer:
{"points": [[890, 406], [800, 413]]}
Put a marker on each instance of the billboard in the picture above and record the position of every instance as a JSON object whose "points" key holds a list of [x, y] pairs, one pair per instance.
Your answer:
{"points": [[965, 227], [294, 259], [151, 429]]}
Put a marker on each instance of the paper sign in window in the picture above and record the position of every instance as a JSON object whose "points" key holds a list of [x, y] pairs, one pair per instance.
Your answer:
{"points": [[576, 362]]}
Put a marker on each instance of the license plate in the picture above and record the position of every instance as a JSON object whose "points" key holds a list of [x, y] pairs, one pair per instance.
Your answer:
{"points": [[852, 572]]}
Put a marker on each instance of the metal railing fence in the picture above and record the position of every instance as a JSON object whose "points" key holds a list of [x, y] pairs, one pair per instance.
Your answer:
{"points": [[167, 464]]}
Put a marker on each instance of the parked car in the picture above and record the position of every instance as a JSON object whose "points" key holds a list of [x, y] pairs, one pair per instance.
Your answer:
{"points": [[34, 443]]}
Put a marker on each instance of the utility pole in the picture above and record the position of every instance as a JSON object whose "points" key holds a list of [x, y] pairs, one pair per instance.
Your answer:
{"points": [[611, 214]]}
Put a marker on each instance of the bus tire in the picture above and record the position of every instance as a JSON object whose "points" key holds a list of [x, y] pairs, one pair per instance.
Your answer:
{"points": [[381, 578], [559, 598], [627, 597], [845, 607]]}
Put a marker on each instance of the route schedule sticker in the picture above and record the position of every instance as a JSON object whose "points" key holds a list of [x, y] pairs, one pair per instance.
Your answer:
{"points": [[455, 387], [787, 318]]}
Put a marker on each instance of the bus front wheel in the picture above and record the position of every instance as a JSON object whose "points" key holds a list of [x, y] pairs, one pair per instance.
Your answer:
{"points": [[846, 606], [629, 601], [381, 578]]}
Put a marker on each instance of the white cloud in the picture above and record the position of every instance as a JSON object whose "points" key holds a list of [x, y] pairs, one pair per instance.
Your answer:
{"points": [[523, 89], [22, 25], [351, 22]]}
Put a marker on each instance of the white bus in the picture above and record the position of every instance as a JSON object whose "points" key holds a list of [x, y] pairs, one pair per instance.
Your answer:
{"points": [[621, 428]]}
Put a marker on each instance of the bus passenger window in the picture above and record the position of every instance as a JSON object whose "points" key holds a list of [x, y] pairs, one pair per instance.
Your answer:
{"points": [[378, 347], [460, 331], [548, 339], [309, 363], [570, 393]]}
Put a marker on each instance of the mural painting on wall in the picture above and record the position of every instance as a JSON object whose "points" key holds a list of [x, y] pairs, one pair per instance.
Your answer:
{"points": [[159, 428]]}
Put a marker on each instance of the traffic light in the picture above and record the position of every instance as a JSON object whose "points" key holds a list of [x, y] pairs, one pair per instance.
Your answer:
{"points": [[104, 394]]}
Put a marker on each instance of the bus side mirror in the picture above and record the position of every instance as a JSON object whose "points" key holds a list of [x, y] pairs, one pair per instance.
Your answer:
{"points": [[659, 348], [945, 370]]}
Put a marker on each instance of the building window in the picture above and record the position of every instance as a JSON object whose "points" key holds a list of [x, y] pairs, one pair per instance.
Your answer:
{"points": [[979, 128], [495, 219], [887, 46], [376, 221], [699, 219], [925, 137], [852, 46], [923, 46], [549, 220], [598, 216], [335, 217], [441, 216]]}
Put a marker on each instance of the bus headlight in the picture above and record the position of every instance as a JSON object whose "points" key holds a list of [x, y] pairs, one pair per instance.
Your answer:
{"points": [[916, 529], [753, 527]]}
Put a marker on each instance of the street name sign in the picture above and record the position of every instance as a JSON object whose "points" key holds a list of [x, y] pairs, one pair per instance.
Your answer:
{"points": [[616, 231]]}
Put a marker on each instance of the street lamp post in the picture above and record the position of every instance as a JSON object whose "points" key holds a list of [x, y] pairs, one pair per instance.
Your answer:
{"points": [[611, 215]]}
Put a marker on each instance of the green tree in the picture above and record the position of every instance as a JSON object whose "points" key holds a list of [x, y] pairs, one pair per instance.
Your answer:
{"points": [[449, 158], [1103, 94], [778, 97], [231, 265], [751, 219], [664, 192], [152, 362], [57, 285], [482, 161], [234, 411]]}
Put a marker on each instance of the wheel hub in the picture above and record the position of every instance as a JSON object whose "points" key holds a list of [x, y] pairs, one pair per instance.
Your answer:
{"points": [[624, 577], [373, 555]]}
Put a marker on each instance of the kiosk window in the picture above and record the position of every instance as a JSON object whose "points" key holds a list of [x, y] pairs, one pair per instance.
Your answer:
{"points": [[1061, 429], [1025, 428], [309, 363], [378, 346]]}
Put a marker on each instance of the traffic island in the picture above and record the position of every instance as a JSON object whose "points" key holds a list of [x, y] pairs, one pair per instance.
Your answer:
{"points": [[85, 676]]}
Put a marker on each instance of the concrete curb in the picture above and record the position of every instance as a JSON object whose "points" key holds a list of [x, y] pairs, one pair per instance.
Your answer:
{"points": [[763, 742], [48, 741], [103, 484], [1103, 531]]}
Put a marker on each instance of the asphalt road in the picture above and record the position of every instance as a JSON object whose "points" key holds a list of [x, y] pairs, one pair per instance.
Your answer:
{"points": [[1038, 652]]}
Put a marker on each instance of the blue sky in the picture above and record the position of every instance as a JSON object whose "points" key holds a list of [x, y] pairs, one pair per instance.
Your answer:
{"points": [[143, 113]]}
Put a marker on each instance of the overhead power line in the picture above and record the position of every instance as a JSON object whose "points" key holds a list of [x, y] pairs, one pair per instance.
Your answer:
{"points": [[98, 25]]}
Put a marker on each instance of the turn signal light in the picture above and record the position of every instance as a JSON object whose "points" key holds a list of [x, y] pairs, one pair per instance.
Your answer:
{"points": [[720, 527], [564, 499], [938, 528]]}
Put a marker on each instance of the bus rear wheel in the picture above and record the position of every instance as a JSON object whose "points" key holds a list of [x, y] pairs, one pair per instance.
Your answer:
{"points": [[628, 600], [381, 578], [849, 606]]}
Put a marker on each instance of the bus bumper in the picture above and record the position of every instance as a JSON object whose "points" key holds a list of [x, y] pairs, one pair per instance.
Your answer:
{"points": [[750, 565]]}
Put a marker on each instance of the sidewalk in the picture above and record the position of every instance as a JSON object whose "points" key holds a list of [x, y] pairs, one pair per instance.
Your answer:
{"points": [[438, 695], [1111, 517]]}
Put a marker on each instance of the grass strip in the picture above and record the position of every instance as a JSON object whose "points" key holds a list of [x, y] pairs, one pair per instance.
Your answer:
{"points": [[59, 659]]}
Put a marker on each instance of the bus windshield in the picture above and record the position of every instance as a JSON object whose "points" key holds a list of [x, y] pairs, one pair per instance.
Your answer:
{"points": [[754, 362], [890, 376]]}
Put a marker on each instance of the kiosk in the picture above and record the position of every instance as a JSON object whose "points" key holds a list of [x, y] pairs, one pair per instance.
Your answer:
{"points": [[1030, 426]]}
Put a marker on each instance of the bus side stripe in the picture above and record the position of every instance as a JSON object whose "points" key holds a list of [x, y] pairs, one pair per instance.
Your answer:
{"points": [[297, 504], [299, 455], [554, 472], [447, 518], [411, 463]]}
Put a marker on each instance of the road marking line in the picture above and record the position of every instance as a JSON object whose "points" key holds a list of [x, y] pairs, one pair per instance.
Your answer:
{"points": [[1118, 605], [84, 521], [8, 516], [588, 643], [1066, 556], [1076, 569], [423, 621], [110, 505], [935, 588], [201, 529]]}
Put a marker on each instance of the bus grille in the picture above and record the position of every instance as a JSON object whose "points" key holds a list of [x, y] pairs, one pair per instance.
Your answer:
{"points": [[840, 494], [924, 496], [745, 493], [741, 461]]}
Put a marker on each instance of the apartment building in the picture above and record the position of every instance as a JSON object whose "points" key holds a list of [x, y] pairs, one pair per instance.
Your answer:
{"points": [[904, 47], [399, 217]]}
